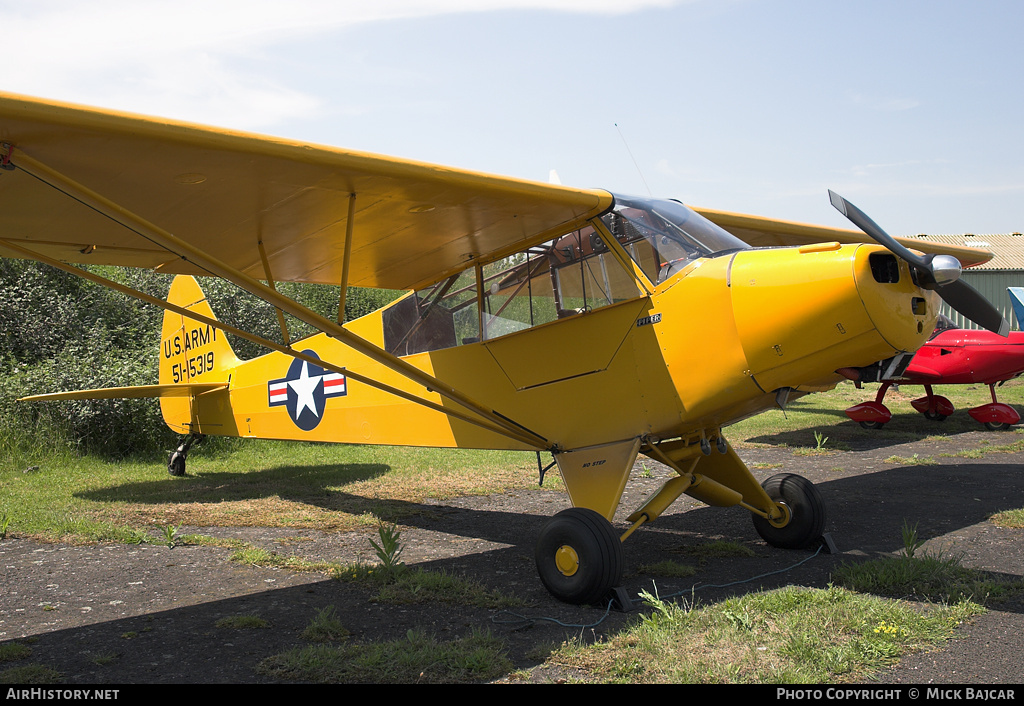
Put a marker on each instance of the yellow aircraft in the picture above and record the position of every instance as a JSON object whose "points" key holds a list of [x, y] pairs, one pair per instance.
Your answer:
{"points": [[538, 317]]}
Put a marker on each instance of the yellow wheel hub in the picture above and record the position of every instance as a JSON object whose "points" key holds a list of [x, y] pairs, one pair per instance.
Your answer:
{"points": [[567, 561], [783, 517]]}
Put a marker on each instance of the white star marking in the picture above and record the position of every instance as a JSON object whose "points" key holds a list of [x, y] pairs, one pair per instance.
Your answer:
{"points": [[304, 387]]}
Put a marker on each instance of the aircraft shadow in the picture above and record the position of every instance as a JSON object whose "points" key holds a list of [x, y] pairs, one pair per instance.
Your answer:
{"points": [[298, 483], [866, 516], [948, 505]]}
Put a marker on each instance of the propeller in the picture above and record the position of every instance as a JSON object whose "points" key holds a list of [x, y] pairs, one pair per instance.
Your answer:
{"points": [[937, 272]]}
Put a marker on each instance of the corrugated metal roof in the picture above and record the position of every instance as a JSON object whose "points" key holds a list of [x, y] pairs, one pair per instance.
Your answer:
{"points": [[1008, 248]]}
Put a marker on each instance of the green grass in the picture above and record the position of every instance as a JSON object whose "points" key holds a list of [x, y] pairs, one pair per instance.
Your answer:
{"points": [[936, 577], [326, 627], [30, 674], [390, 584], [1009, 518], [792, 635], [914, 460], [12, 651], [243, 622], [418, 658], [818, 423], [257, 483]]}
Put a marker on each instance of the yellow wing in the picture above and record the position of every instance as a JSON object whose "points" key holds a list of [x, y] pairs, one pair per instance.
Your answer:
{"points": [[225, 192], [766, 232]]}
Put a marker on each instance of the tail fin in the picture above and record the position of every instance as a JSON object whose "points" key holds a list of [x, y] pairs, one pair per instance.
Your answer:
{"points": [[1017, 300], [193, 353]]}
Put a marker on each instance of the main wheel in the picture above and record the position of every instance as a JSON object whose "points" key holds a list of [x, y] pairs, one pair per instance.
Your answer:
{"points": [[872, 425], [997, 426], [935, 416], [803, 517], [579, 557]]}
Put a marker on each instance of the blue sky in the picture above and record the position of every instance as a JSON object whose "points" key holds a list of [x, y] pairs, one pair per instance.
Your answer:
{"points": [[912, 110]]}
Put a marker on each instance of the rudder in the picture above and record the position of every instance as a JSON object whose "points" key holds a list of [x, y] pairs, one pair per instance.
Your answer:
{"points": [[193, 352]]}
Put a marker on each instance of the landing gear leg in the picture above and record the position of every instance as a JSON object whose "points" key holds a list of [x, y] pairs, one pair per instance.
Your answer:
{"points": [[176, 461], [996, 416], [932, 406], [872, 415]]}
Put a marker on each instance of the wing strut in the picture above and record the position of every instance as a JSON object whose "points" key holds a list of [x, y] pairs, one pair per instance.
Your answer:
{"points": [[270, 283], [85, 274], [175, 245], [348, 257]]}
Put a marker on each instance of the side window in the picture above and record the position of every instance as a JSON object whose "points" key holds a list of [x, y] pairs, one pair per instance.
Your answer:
{"points": [[586, 275], [517, 293], [441, 316], [652, 247], [570, 275], [567, 276]]}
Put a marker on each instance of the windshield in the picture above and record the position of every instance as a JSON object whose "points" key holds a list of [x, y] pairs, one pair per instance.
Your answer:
{"points": [[663, 235]]}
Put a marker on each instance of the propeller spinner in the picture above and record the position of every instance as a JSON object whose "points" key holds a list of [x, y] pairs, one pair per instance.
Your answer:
{"points": [[937, 272]]}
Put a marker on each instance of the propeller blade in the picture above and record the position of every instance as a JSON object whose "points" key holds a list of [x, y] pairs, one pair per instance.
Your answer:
{"points": [[938, 272], [875, 232], [968, 301]]}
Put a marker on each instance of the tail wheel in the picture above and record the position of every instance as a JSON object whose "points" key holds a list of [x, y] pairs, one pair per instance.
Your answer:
{"points": [[176, 464], [579, 557], [803, 517]]}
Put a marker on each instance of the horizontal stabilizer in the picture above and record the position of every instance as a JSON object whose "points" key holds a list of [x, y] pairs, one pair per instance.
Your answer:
{"points": [[110, 393]]}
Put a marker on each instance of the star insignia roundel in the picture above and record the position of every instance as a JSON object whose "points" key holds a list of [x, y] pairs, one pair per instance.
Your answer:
{"points": [[304, 391]]}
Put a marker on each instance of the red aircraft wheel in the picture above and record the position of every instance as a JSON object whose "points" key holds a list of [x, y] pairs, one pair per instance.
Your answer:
{"points": [[997, 426], [935, 416], [579, 557], [872, 425], [804, 518]]}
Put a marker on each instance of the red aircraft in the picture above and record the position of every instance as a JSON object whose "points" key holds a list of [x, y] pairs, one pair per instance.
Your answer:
{"points": [[952, 356]]}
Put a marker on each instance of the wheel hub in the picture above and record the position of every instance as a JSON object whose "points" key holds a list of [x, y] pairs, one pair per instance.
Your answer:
{"points": [[567, 561], [783, 517]]}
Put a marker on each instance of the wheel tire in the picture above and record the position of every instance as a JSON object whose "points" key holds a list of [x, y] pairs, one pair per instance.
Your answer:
{"points": [[872, 425], [806, 512], [935, 416], [579, 557], [997, 426], [176, 464]]}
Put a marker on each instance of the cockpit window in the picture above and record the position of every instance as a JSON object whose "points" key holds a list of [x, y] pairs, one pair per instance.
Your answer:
{"points": [[662, 236], [570, 275], [943, 323]]}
